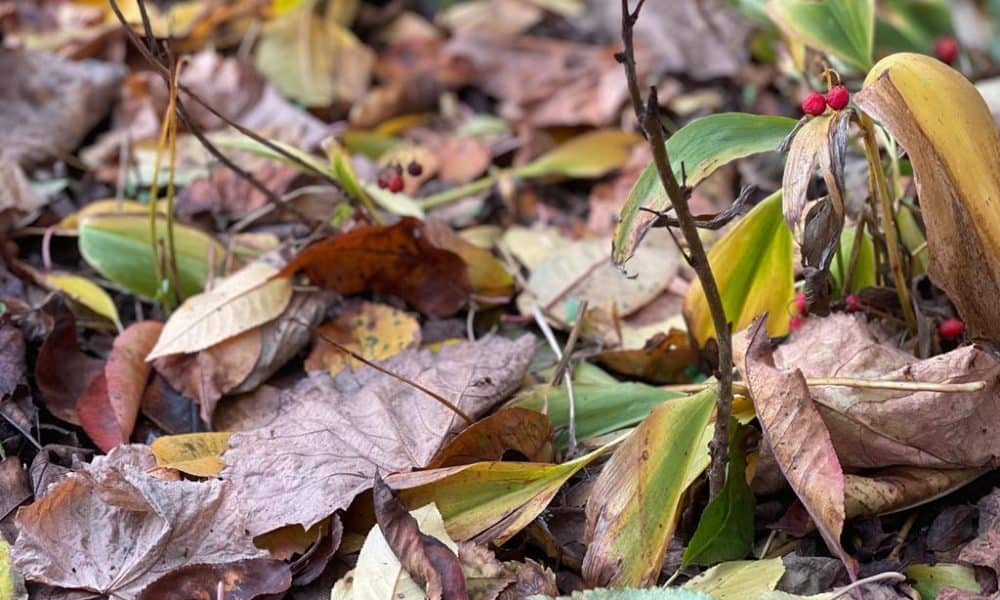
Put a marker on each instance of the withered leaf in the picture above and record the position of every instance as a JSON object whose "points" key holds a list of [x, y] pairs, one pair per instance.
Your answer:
{"points": [[878, 428], [73, 536], [426, 558], [242, 580], [798, 438], [62, 370], [392, 259], [12, 367], [520, 430], [333, 434], [985, 549]]}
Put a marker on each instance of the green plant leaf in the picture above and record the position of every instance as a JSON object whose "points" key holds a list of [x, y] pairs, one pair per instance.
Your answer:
{"points": [[725, 530], [601, 408], [489, 501], [587, 156], [702, 146], [844, 29], [119, 247], [636, 500], [739, 580], [752, 264], [864, 270], [911, 25], [929, 579]]}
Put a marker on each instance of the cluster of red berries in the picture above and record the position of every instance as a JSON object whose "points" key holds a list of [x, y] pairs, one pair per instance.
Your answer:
{"points": [[391, 177], [815, 103], [799, 316]]}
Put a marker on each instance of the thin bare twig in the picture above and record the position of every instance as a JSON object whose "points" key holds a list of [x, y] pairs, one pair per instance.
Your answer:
{"points": [[649, 122], [852, 382]]}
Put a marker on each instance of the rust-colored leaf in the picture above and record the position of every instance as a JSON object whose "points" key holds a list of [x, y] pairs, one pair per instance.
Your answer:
{"points": [[62, 371], [799, 439], [426, 558], [665, 358], [110, 404], [525, 432], [391, 259]]}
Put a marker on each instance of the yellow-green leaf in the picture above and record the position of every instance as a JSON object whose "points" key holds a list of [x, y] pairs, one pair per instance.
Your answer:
{"points": [[489, 501], [587, 156], [635, 502], [740, 579], [844, 29], [943, 123], [198, 454], [701, 146], [118, 246], [930, 579], [84, 291], [752, 264], [248, 298]]}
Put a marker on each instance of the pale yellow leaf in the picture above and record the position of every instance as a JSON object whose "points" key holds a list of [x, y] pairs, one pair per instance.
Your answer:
{"points": [[740, 579], [196, 454], [84, 291]]}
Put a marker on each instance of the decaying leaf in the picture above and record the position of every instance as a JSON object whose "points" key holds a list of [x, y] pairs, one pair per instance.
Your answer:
{"points": [[62, 370], [665, 358], [524, 433], [946, 128], [250, 297], [335, 433], [192, 453], [241, 580], [109, 406], [375, 331], [799, 439], [878, 428], [393, 259], [985, 549], [72, 536]]}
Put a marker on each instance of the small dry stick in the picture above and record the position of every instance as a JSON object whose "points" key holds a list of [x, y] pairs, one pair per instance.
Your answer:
{"points": [[563, 356], [870, 384], [649, 121], [444, 401]]}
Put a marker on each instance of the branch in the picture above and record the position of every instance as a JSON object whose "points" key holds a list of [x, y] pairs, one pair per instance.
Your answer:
{"points": [[713, 222], [650, 123]]}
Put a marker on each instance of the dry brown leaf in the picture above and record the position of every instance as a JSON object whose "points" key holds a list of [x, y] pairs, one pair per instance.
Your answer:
{"points": [[74, 534], [528, 433], [62, 370], [19, 204], [49, 103], [878, 428], [241, 580], [375, 331], [897, 488], [334, 433], [799, 439], [985, 549], [248, 298]]}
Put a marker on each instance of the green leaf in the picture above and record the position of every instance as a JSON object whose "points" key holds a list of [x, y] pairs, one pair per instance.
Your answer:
{"points": [[911, 25], [844, 29], [864, 270], [636, 500], [725, 530], [587, 156], [600, 408], [929, 579], [702, 146], [119, 247], [752, 264], [739, 580]]}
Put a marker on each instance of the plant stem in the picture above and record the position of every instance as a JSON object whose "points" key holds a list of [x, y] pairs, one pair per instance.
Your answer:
{"points": [[456, 193], [649, 121], [888, 222], [871, 384]]}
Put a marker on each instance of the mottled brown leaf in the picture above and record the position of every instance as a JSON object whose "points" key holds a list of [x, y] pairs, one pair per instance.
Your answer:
{"points": [[62, 370], [526, 433], [425, 558], [332, 434], [14, 487], [392, 259], [985, 549], [112, 528], [798, 438], [12, 367], [241, 580]]}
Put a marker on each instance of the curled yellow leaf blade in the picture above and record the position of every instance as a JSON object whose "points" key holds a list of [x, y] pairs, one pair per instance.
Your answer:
{"points": [[946, 128], [198, 454], [84, 291]]}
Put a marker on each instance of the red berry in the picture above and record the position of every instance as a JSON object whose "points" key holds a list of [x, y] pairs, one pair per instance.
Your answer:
{"points": [[801, 306], [382, 181], [950, 329], [795, 322], [946, 49], [837, 97], [395, 183], [814, 104], [852, 303]]}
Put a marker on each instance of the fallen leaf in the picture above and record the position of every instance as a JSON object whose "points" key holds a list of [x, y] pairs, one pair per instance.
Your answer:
{"points": [[109, 406], [12, 360], [361, 422], [636, 501], [878, 428], [739, 579], [928, 580], [375, 331], [51, 103], [250, 297], [392, 259], [489, 278], [587, 156], [490, 502], [240, 580], [170, 410], [193, 453], [752, 264], [72, 535], [947, 130], [799, 439], [428, 560], [665, 358], [462, 159], [519, 430], [11, 582], [62, 371], [505, 18], [19, 203], [984, 551], [83, 290], [894, 489], [14, 489]]}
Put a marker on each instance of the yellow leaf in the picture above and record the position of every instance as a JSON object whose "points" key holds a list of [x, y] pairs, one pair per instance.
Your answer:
{"points": [[590, 155], [250, 297], [375, 331], [84, 291], [109, 206], [752, 264], [946, 128], [739, 579], [198, 454]]}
